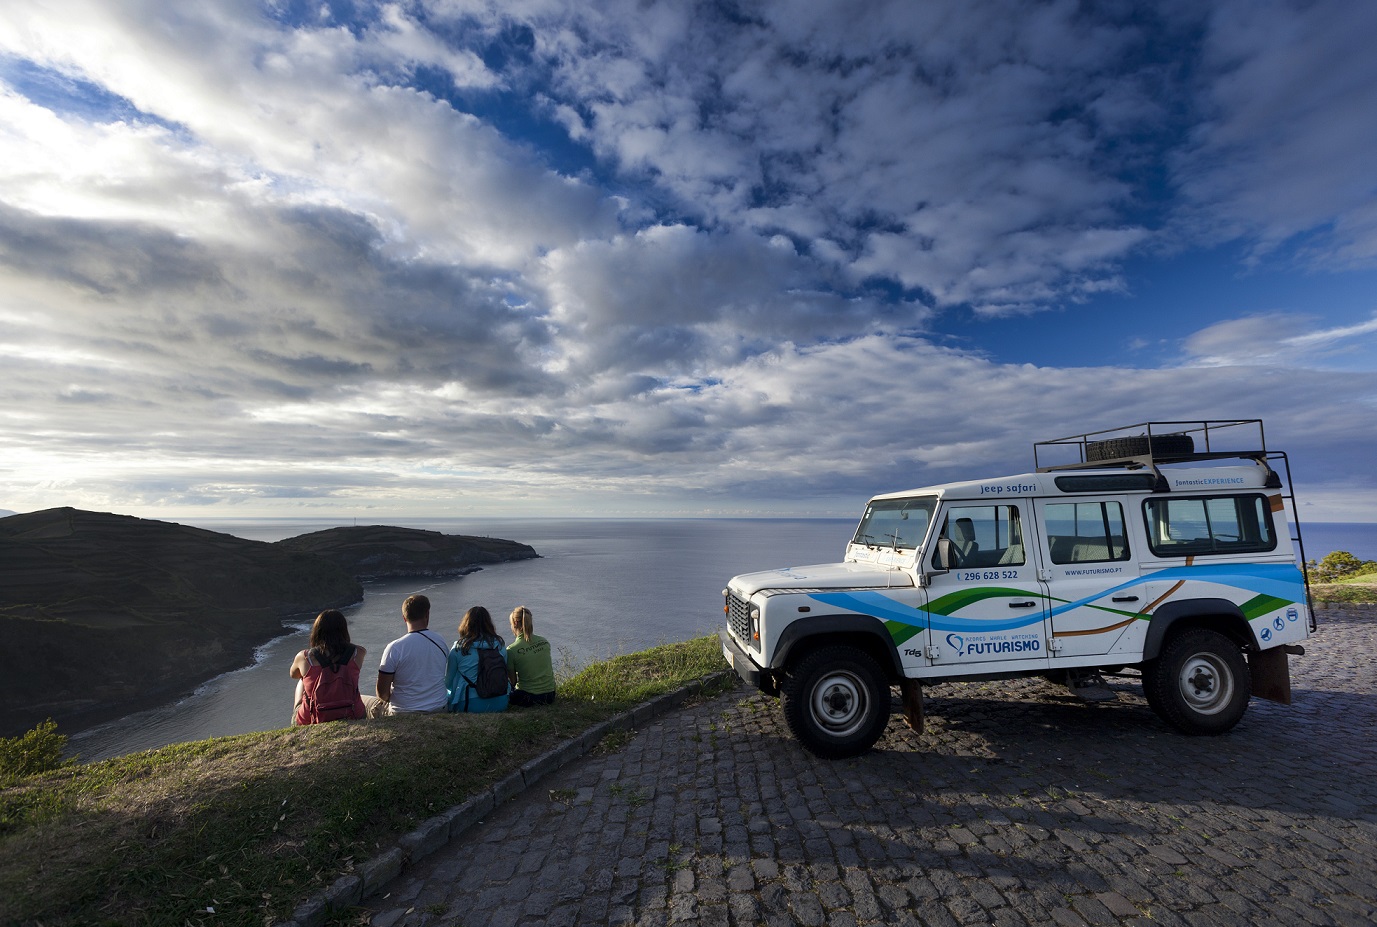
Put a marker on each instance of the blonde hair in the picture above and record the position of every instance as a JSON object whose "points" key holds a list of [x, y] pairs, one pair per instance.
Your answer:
{"points": [[521, 622]]}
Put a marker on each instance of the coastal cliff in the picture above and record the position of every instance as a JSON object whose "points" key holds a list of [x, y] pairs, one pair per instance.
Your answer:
{"points": [[102, 614], [384, 552]]}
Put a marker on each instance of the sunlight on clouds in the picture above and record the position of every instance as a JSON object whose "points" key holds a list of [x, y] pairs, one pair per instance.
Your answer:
{"points": [[61, 357], [1333, 335], [405, 40], [256, 265]]}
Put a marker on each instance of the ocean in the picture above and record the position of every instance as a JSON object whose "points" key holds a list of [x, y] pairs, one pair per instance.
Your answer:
{"points": [[601, 587], [1323, 538]]}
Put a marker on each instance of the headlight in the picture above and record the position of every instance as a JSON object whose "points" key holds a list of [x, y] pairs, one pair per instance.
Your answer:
{"points": [[755, 623]]}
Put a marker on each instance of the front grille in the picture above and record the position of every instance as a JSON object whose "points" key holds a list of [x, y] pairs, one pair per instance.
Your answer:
{"points": [[739, 618]]}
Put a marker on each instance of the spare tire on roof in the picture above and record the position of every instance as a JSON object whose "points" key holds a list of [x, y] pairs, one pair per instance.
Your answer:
{"points": [[1139, 446]]}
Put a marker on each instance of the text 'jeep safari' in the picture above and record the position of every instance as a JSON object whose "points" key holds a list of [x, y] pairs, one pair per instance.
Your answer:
{"points": [[1164, 555]]}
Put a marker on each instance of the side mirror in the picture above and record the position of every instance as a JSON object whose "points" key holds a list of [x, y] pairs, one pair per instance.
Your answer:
{"points": [[945, 558]]}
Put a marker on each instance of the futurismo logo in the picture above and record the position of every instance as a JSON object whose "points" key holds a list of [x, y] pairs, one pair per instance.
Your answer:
{"points": [[1022, 645]]}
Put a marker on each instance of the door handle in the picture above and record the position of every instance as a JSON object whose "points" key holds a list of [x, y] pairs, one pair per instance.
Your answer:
{"points": [[1022, 604], [1124, 598]]}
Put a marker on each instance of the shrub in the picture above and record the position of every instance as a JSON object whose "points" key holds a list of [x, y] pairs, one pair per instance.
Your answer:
{"points": [[35, 751], [1338, 565]]}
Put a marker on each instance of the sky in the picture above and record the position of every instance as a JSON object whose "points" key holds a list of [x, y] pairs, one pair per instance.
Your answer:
{"points": [[447, 258]]}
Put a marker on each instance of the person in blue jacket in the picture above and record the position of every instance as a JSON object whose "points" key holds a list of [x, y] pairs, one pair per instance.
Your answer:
{"points": [[476, 633]]}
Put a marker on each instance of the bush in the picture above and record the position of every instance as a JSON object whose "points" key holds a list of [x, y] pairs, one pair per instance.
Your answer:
{"points": [[35, 751], [1338, 565]]}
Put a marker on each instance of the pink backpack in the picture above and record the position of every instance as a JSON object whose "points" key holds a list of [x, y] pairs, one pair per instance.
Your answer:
{"points": [[330, 692]]}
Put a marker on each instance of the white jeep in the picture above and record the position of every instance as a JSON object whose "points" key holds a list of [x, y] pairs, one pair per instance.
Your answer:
{"points": [[1162, 555]]}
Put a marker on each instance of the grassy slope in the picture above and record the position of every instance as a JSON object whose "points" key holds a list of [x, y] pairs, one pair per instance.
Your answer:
{"points": [[251, 825], [1360, 589]]}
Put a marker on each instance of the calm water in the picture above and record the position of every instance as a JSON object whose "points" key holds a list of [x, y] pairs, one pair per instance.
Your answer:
{"points": [[1323, 538], [601, 587]]}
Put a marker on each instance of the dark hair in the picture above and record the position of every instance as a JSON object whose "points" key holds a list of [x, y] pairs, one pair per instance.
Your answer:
{"points": [[476, 625], [330, 637], [416, 609]]}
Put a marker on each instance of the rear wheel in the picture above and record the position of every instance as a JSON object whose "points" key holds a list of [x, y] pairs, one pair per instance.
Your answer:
{"points": [[836, 702], [1199, 684]]}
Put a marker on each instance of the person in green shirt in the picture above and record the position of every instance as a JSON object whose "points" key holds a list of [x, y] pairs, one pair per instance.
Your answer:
{"points": [[528, 663]]}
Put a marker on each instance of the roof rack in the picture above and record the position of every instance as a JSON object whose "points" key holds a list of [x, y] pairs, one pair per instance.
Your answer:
{"points": [[1147, 444]]}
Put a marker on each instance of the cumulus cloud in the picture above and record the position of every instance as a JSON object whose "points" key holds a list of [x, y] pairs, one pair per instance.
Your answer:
{"points": [[455, 254], [955, 150]]}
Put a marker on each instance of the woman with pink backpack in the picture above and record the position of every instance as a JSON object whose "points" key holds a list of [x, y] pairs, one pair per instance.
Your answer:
{"points": [[329, 673]]}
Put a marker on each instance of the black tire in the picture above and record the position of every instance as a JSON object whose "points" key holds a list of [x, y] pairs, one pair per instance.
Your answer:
{"points": [[836, 702], [1200, 683], [1138, 446]]}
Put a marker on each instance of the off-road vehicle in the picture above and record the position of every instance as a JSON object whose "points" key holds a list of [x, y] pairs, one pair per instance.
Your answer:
{"points": [[1158, 552]]}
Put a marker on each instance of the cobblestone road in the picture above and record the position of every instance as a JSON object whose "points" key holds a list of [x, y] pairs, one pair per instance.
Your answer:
{"points": [[1019, 805]]}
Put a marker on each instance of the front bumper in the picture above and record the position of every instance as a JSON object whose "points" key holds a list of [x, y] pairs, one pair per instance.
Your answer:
{"points": [[742, 664]]}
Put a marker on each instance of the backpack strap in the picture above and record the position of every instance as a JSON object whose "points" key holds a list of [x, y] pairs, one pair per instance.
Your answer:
{"points": [[469, 686], [423, 633]]}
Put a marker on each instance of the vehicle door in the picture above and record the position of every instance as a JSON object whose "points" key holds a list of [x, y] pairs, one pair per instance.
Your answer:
{"points": [[1092, 574], [990, 606]]}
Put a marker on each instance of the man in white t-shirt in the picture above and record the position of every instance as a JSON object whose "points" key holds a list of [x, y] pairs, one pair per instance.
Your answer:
{"points": [[411, 676]]}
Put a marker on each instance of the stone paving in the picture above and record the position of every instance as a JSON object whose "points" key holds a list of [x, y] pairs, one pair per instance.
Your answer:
{"points": [[1019, 805]]}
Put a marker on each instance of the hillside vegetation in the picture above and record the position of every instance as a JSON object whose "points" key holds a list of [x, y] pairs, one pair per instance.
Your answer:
{"points": [[103, 614], [100, 613], [1342, 579]]}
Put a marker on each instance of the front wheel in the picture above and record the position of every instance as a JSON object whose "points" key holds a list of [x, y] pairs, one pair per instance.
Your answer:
{"points": [[1199, 684], [836, 702]]}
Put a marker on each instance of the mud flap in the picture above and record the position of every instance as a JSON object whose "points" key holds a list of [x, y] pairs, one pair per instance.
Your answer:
{"points": [[912, 693], [1271, 672]]}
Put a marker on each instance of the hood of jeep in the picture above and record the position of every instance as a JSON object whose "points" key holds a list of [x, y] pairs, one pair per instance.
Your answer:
{"points": [[821, 576]]}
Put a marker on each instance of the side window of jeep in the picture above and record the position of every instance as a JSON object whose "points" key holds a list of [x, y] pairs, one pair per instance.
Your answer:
{"points": [[984, 535], [1209, 525], [1086, 532]]}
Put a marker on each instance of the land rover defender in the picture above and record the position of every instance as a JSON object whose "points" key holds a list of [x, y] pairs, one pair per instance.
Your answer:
{"points": [[1159, 552]]}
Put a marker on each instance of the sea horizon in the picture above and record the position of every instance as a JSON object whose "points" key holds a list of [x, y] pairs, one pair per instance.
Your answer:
{"points": [[1319, 538]]}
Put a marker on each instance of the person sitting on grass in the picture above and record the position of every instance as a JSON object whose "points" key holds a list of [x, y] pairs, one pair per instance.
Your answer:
{"points": [[476, 674], [328, 671], [528, 662], [411, 676]]}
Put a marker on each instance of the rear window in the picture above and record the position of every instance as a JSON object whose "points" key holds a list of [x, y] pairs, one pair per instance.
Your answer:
{"points": [[1201, 525]]}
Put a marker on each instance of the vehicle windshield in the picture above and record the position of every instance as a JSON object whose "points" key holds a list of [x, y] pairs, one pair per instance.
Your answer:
{"points": [[898, 523]]}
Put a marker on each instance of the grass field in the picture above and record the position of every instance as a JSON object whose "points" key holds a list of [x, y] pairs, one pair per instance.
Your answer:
{"points": [[239, 830], [1353, 590]]}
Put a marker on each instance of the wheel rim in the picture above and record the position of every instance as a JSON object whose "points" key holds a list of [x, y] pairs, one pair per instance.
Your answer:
{"points": [[839, 703], [1206, 683]]}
